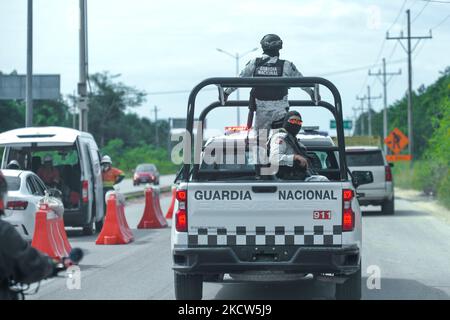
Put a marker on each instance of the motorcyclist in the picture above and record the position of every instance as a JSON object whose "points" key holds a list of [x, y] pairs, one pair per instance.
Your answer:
{"points": [[19, 262], [271, 103]]}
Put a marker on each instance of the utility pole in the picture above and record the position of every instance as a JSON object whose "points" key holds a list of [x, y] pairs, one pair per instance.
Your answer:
{"points": [[409, 52], [361, 108], [29, 86], [82, 84], [381, 75], [355, 117], [237, 56], [155, 110], [369, 107]]}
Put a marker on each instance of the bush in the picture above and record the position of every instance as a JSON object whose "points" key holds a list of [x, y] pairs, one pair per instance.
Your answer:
{"points": [[128, 158], [427, 175], [444, 189]]}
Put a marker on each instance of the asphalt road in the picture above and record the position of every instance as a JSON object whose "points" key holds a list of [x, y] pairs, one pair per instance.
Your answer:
{"points": [[126, 185], [411, 249]]}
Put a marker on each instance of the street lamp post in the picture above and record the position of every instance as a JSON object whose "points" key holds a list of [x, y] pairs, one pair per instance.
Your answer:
{"points": [[237, 56]]}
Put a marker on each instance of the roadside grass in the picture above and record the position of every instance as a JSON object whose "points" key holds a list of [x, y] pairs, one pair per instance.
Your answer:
{"points": [[429, 177]]}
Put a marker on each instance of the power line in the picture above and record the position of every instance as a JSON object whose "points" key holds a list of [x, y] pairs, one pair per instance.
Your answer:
{"points": [[382, 46], [358, 68], [441, 23], [420, 12], [393, 50], [398, 15], [437, 1], [409, 51]]}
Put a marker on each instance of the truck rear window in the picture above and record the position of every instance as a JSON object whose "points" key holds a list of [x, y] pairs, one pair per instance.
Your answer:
{"points": [[365, 158]]}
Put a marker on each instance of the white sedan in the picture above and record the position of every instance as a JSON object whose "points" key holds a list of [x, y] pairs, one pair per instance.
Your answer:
{"points": [[25, 190]]}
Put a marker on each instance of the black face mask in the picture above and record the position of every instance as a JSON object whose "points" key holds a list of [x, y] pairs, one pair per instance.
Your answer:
{"points": [[292, 128]]}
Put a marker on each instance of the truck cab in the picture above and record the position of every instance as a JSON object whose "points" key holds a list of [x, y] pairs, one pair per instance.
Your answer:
{"points": [[233, 221]]}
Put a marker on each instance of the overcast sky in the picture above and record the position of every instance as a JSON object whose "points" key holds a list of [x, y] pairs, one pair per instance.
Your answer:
{"points": [[171, 45]]}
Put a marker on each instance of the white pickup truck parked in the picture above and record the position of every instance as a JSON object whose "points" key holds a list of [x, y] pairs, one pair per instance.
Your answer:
{"points": [[232, 220]]}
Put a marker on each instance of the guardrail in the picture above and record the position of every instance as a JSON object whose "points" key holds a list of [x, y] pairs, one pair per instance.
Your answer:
{"points": [[140, 193]]}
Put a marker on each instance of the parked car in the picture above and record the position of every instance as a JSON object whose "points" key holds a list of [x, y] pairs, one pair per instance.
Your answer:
{"points": [[146, 173], [381, 190], [25, 190], [76, 157]]}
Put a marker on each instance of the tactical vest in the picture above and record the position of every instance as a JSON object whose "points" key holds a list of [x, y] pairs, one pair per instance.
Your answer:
{"points": [[265, 69]]}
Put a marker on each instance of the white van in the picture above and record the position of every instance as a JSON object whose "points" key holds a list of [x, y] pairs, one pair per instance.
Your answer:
{"points": [[76, 156]]}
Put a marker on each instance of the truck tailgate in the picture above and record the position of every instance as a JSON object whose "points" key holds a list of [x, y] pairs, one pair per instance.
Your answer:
{"points": [[265, 214]]}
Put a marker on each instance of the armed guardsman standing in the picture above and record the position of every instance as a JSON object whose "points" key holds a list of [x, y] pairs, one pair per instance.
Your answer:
{"points": [[271, 103]]}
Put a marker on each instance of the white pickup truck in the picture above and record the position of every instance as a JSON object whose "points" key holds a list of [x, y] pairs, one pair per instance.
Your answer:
{"points": [[232, 220]]}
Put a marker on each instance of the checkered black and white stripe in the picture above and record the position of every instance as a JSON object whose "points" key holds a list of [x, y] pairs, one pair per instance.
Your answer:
{"points": [[263, 236]]}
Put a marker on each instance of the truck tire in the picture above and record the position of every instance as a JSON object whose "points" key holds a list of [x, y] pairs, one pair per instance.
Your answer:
{"points": [[388, 207], [188, 286], [350, 289]]}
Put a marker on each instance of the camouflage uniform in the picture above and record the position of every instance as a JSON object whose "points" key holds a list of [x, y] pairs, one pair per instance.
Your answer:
{"points": [[269, 111], [282, 154]]}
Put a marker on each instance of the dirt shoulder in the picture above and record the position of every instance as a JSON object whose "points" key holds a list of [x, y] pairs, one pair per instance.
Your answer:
{"points": [[426, 203]]}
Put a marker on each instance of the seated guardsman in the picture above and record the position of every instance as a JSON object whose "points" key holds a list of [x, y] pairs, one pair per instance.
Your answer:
{"points": [[289, 154]]}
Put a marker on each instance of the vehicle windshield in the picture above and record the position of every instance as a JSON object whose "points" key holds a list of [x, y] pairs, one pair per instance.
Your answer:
{"points": [[364, 158], [13, 183], [239, 163], [146, 168]]}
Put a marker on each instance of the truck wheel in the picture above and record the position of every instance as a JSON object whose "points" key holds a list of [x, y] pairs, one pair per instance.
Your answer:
{"points": [[188, 286], [388, 207], [350, 289]]}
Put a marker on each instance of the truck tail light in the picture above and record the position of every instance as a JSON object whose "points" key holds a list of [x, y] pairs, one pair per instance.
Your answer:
{"points": [[388, 173], [181, 215], [85, 191], [348, 216], [16, 205]]}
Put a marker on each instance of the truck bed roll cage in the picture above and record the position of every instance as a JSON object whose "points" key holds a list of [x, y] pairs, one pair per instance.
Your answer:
{"points": [[303, 82]]}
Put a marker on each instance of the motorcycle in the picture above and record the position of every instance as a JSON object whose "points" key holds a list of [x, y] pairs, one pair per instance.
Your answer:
{"points": [[75, 256]]}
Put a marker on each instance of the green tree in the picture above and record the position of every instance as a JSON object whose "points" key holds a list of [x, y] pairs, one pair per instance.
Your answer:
{"points": [[108, 101]]}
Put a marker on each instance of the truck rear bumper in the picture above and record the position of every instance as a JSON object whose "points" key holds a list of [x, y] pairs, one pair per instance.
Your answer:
{"points": [[339, 260]]}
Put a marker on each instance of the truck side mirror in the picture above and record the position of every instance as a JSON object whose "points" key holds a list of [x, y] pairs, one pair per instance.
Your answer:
{"points": [[362, 177]]}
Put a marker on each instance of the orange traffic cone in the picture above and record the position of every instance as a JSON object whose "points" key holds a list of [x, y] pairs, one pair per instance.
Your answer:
{"points": [[115, 229], [49, 234], [152, 217], [169, 213]]}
